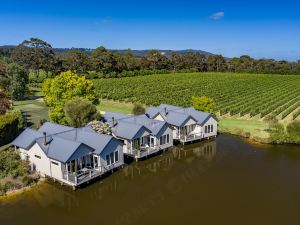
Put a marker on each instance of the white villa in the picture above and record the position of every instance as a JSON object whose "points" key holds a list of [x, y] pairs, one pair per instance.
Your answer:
{"points": [[70, 155], [188, 124], [75, 156], [141, 136]]}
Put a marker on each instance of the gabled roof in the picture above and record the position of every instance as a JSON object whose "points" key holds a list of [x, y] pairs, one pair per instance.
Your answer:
{"points": [[177, 115], [53, 128], [65, 143], [27, 138], [128, 130]]}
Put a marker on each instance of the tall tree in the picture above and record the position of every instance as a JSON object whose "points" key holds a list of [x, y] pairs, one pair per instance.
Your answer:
{"points": [[4, 79], [18, 77], [76, 60], [216, 63], [155, 60], [34, 54], [103, 60]]}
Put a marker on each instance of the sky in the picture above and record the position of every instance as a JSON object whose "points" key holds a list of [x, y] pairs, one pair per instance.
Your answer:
{"points": [[259, 28]]}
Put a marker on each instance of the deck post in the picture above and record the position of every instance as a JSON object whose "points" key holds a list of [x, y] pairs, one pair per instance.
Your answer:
{"points": [[67, 171]]}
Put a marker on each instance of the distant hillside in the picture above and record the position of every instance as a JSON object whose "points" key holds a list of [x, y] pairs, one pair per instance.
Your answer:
{"points": [[136, 53]]}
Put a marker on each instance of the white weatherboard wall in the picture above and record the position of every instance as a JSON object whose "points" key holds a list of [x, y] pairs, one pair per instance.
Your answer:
{"points": [[189, 122], [43, 164], [168, 145], [213, 122]]}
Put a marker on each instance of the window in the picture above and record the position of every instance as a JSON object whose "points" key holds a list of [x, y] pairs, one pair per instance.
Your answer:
{"points": [[206, 129], [168, 138], [165, 139], [37, 156], [107, 160], [116, 156], [112, 158], [211, 128], [54, 163]]}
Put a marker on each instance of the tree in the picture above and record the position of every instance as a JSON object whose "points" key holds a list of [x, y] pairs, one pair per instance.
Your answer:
{"points": [[64, 87], [76, 61], [155, 60], [216, 63], [130, 61], [18, 77], [5, 103], [204, 104], [103, 60], [79, 112], [138, 109], [4, 79], [34, 54]]}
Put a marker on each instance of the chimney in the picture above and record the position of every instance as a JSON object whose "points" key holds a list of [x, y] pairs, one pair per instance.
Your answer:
{"points": [[165, 111], [45, 138], [113, 121]]}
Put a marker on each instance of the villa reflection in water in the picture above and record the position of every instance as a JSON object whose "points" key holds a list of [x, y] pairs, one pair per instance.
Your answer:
{"points": [[161, 168]]}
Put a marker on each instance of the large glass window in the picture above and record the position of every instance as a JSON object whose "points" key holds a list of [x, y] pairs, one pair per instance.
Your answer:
{"points": [[112, 158], [211, 128], [206, 129], [116, 156]]}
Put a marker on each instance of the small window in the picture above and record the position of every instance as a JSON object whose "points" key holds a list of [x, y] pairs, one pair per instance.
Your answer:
{"points": [[168, 138], [211, 128], [107, 160], [112, 158], [54, 163], [206, 129], [37, 156], [160, 141], [116, 156]]}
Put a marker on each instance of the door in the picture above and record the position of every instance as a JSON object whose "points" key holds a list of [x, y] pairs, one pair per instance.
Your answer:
{"points": [[152, 142], [96, 162]]}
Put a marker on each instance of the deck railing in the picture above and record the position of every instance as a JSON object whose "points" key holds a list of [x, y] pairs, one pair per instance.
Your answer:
{"points": [[189, 137], [144, 151]]}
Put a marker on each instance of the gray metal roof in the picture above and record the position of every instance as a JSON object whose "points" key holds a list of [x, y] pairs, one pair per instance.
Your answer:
{"points": [[65, 143], [53, 128], [27, 138], [177, 115], [127, 130]]}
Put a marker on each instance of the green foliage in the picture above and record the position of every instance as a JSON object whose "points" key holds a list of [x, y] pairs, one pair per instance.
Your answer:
{"points": [[293, 129], [11, 164], [10, 125], [79, 112], [253, 94], [64, 87], [5, 103], [204, 104], [76, 60], [138, 109], [18, 81]]}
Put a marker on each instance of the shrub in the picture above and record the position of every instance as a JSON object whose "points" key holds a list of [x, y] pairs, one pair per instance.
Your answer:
{"points": [[293, 128], [4, 103], [10, 125], [138, 109]]}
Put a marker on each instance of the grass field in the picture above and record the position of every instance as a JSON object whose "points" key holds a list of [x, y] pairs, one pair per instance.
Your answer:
{"points": [[115, 106], [239, 95], [35, 110]]}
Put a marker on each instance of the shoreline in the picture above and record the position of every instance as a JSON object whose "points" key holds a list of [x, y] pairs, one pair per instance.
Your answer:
{"points": [[10, 195]]}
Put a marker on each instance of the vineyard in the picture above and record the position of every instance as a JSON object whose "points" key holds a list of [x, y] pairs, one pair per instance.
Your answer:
{"points": [[243, 94]]}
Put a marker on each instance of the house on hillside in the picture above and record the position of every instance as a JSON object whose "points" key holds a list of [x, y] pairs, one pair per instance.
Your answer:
{"points": [[70, 155], [142, 136], [188, 124]]}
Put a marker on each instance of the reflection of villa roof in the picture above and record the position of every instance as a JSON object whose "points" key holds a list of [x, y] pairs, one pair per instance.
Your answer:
{"points": [[64, 143], [177, 115]]}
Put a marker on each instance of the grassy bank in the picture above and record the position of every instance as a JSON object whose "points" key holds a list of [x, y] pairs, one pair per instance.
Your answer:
{"points": [[115, 106]]}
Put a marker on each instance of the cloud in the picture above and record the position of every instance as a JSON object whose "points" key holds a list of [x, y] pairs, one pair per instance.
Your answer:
{"points": [[217, 16]]}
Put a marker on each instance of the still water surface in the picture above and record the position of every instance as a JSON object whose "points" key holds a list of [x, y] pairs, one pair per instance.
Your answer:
{"points": [[223, 182]]}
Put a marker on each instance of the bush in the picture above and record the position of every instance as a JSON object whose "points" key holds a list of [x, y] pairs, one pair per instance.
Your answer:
{"points": [[4, 103], [29, 180], [138, 109], [10, 125], [293, 128], [11, 164]]}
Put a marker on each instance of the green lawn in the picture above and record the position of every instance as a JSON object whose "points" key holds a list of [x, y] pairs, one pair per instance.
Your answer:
{"points": [[36, 110], [114, 106]]}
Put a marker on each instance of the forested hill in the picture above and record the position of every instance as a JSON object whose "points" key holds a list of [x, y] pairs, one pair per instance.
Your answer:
{"points": [[136, 53]]}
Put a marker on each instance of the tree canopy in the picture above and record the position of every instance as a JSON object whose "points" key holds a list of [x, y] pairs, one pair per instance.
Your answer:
{"points": [[64, 87], [80, 111], [204, 104]]}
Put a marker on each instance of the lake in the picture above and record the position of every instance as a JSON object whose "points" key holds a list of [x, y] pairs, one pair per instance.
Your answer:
{"points": [[227, 181]]}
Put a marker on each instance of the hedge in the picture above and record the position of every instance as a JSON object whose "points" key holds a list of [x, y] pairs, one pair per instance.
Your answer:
{"points": [[10, 125]]}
